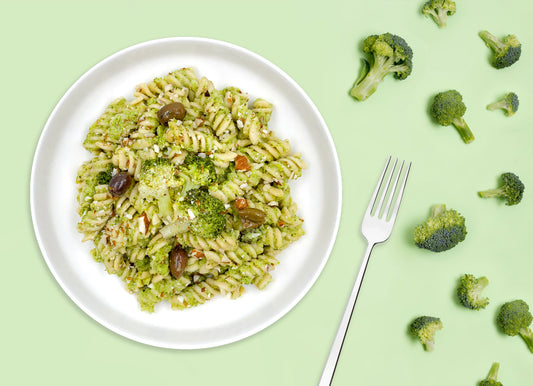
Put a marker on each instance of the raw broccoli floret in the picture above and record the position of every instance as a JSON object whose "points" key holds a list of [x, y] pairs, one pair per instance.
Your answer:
{"points": [[448, 109], [509, 103], [197, 171], [512, 189], [506, 51], [439, 10], [492, 378], [514, 319], [443, 230], [156, 178], [206, 214], [424, 328], [388, 54], [469, 291]]}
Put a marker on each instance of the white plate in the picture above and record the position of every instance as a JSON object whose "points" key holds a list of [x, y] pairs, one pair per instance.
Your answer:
{"points": [[103, 296]]}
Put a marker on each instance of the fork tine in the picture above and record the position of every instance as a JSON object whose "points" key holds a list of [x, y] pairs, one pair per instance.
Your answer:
{"points": [[374, 195], [400, 194], [385, 189], [392, 191]]}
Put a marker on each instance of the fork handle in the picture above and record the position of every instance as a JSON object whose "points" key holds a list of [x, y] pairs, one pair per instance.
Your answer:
{"points": [[333, 357]]}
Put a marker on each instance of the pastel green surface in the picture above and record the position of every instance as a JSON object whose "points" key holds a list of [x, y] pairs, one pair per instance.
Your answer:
{"points": [[47, 339]]}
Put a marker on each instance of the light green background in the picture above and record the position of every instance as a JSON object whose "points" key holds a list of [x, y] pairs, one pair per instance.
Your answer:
{"points": [[47, 339]]}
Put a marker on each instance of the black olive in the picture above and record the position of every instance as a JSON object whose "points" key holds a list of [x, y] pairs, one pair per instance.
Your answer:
{"points": [[174, 110], [119, 184], [177, 261]]}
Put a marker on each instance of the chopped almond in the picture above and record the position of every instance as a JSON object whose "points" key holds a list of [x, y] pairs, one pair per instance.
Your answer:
{"points": [[197, 253], [241, 203], [241, 163]]}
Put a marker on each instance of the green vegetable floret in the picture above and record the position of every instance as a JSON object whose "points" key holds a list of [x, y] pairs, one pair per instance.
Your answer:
{"points": [[514, 319], [206, 214], [469, 292], [103, 177], [448, 109], [439, 10], [492, 378], [443, 230], [156, 179], [512, 189], [389, 54], [509, 103], [197, 171], [424, 328], [506, 51]]}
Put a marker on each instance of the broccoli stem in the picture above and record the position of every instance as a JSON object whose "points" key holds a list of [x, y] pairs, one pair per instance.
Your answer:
{"points": [[429, 345], [440, 16], [492, 41], [493, 373], [527, 335], [463, 129], [364, 87], [497, 105], [497, 192], [164, 205], [438, 209]]}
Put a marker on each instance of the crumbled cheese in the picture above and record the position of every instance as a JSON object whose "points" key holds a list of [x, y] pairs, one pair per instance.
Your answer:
{"points": [[178, 122], [227, 206], [151, 285], [272, 203], [128, 216], [191, 214], [114, 171], [240, 125], [244, 186], [201, 155], [156, 148]]}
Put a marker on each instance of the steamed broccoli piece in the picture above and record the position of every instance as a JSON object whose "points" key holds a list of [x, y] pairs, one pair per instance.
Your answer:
{"points": [[514, 319], [512, 189], [492, 378], [424, 328], [448, 109], [443, 230], [103, 177], [509, 103], [388, 54], [469, 292], [205, 213], [439, 10], [199, 171], [506, 51], [156, 178]]}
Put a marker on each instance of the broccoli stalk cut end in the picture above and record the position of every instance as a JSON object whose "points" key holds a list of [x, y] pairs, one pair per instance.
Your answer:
{"points": [[492, 377], [527, 334], [463, 129]]}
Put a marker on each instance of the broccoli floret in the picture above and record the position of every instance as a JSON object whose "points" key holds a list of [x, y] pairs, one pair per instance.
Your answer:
{"points": [[389, 54], [509, 103], [205, 213], [443, 230], [514, 319], [156, 178], [448, 109], [492, 378], [424, 328], [512, 189], [506, 51], [197, 172], [469, 292], [439, 10], [103, 177]]}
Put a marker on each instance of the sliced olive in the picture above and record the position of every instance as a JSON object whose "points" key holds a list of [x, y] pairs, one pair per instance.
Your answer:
{"points": [[251, 217], [177, 261], [119, 184], [173, 110]]}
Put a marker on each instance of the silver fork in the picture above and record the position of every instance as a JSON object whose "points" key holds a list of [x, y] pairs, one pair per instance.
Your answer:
{"points": [[376, 228]]}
